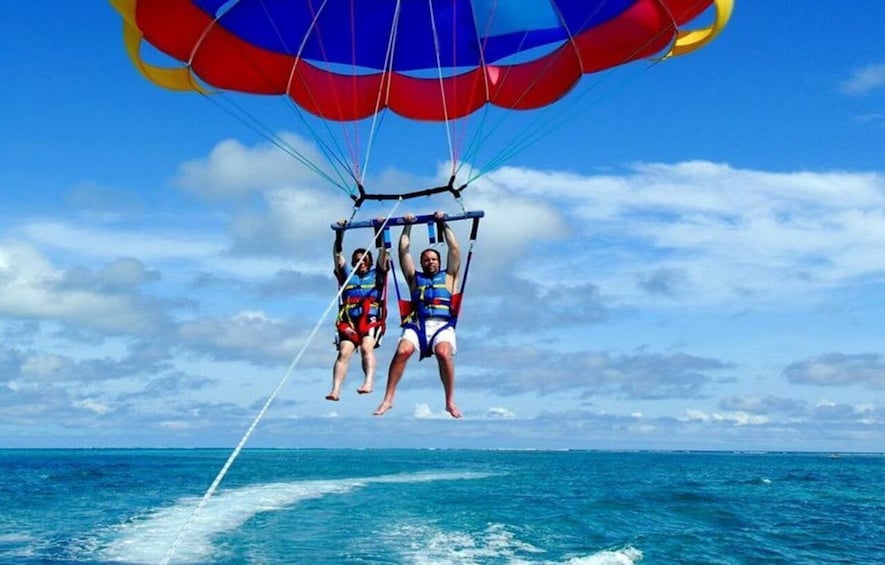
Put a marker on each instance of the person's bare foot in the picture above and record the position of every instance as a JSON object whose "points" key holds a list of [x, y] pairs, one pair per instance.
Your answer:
{"points": [[383, 407], [365, 389], [332, 396], [453, 410]]}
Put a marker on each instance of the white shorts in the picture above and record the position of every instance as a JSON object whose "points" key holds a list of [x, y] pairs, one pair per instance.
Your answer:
{"points": [[430, 328]]}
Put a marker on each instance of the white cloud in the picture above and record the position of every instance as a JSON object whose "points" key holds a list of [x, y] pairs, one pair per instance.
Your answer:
{"points": [[232, 170], [865, 79], [247, 334], [292, 222], [500, 413], [717, 231], [39, 365], [95, 406], [176, 244], [711, 231], [692, 233], [423, 412], [837, 369], [142, 243], [736, 418], [31, 287]]}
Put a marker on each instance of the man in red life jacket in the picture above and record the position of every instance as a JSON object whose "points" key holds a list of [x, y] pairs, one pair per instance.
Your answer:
{"points": [[430, 328], [362, 315]]}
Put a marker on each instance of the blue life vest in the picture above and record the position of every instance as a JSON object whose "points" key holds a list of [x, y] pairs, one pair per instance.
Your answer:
{"points": [[431, 298], [361, 290]]}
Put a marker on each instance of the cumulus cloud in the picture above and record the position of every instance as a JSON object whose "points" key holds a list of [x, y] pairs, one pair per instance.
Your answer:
{"points": [[37, 367], [865, 79], [826, 411], [290, 222], [557, 254], [500, 413], [120, 275], [423, 412], [120, 240], [32, 288], [736, 418], [662, 280], [703, 232], [838, 369], [93, 405], [516, 219], [249, 335], [540, 371], [510, 304], [764, 405], [40, 365], [232, 170], [289, 282]]}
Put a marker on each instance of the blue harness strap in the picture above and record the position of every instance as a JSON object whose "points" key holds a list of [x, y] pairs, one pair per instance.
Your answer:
{"points": [[420, 329]]}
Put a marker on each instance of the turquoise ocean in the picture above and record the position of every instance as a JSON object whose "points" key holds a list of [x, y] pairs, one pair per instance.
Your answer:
{"points": [[440, 507]]}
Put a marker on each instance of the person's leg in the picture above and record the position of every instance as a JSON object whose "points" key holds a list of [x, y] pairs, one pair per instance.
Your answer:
{"points": [[339, 369], [404, 350], [446, 362], [367, 348]]}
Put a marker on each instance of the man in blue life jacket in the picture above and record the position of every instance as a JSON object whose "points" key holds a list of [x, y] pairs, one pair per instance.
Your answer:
{"points": [[362, 314], [429, 329]]}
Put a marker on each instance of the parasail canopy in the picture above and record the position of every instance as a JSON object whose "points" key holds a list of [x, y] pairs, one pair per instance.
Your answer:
{"points": [[349, 61], [423, 59]]}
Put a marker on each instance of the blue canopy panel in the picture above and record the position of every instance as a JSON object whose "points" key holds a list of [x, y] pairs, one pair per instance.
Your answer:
{"points": [[458, 33]]}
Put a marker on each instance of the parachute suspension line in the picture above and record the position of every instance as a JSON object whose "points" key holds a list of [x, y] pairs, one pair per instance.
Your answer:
{"points": [[469, 155], [353, 142], [442, 89], [540, 128], [384, 95], [254, 124], [383, 90], [520, 142], [170, 553], [332, 155], [481, 136], [473, 146], [460, 125], [564, 112]]}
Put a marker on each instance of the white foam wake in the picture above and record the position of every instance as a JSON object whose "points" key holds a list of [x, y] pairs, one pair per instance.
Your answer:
{"points": [[147, 538], [426, 544]]}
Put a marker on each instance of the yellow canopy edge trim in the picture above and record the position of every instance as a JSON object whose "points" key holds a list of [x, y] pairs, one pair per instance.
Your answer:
{"points": [[688, 41], [179, 78]]}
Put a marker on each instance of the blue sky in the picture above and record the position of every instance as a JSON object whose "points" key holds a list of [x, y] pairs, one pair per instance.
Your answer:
{"points": [[692, 261]]}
